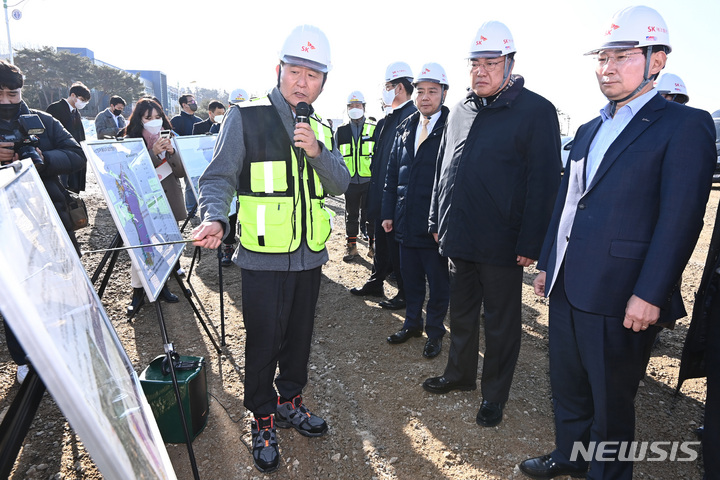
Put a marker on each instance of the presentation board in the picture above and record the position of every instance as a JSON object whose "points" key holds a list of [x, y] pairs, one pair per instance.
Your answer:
{"points": [[138, 206], [196, 152], [51, 306]]}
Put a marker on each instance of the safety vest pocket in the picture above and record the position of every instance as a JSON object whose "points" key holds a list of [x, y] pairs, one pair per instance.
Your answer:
{"points": [[267, 225], [321, 226], [268, 177]]}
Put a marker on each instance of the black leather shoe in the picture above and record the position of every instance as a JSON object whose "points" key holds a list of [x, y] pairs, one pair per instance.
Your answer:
{"points": [[397, 303], [138, 300], [545, 467], [490, 414], [403, 335], [432, 347], [443, 385], [369, 290], [168, 296]]}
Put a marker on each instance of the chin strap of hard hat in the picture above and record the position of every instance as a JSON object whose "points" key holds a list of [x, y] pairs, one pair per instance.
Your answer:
{"points": [[646, 79]]}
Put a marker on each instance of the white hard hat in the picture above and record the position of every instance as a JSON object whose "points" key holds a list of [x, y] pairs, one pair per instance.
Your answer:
{"points": [[493, 39], [432, 72], [672, 84], [307, 46], [355, 96], [634, 27], [238, 95], [397, 70]]}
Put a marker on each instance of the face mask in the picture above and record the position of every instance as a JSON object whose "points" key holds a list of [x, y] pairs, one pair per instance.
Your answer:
{"points": [[388, 96], [79, 104], [117, 112], [356, 113], [153, 126], [219, 118], [8, 111], [193, 106]]}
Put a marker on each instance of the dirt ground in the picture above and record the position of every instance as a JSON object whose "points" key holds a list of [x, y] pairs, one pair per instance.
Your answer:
{"points": [[383, 425]]}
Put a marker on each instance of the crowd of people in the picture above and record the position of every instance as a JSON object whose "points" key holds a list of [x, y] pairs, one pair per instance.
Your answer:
{"points": [[454, 202]]}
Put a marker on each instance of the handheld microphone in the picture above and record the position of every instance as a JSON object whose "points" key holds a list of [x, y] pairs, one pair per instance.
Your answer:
{"points": [[302, 114]]}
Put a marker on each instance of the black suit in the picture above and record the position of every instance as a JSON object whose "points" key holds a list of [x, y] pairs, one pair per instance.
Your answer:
{"points": [[73, 124]]}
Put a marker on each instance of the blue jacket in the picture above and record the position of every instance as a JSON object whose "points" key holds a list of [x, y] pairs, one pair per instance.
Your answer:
{"points": [[637, 222], [183, 124], [384, 138], [409, 182]]}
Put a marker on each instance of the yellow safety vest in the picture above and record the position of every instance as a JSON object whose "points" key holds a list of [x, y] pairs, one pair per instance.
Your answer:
{"points": [[358, 158], [281, 199]]}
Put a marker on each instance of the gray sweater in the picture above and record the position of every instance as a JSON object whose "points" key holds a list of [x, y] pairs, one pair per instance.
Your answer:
{"points": [[218, 185]]}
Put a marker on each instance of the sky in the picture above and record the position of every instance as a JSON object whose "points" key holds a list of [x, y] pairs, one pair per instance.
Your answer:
{"points": [[228, 44]]}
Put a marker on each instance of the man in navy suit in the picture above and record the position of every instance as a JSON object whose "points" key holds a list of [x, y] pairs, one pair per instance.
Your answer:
{"points": [[626, 220]]}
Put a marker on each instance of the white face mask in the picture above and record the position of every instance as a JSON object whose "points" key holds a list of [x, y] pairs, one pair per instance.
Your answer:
{"points": [[388, 96], [79, 104], [356, 113], [218, 118], [153, 126]]}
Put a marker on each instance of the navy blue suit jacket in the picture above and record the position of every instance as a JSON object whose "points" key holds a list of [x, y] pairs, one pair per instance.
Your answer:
{"points": [[638, 221]]}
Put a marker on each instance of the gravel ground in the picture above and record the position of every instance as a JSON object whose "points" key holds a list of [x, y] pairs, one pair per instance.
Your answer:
{"points": [[383, 425]]}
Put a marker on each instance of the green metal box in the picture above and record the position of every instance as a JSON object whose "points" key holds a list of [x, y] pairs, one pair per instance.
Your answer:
{"points": [[160, 395]]}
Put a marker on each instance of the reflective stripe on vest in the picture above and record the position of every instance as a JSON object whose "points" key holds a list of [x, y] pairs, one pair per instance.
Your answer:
{"points": [[358, 160], [281, 199]]}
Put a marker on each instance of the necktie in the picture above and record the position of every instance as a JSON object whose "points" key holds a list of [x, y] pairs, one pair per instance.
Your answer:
{"points": [[423, 132], [76, 118]]}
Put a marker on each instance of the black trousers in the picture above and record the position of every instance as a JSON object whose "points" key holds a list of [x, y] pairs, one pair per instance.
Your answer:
{"points": [[386, 259], [279, 315], [499, 289], [355, 198], [596, 365]]}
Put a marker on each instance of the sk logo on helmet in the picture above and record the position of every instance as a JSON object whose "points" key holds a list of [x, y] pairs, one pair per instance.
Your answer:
{"points": [[612, 27], [425, 70], [480, 42], [308, 47]]}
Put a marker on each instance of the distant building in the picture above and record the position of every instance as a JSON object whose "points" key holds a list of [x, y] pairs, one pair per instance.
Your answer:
{"points": [[155, 82]]}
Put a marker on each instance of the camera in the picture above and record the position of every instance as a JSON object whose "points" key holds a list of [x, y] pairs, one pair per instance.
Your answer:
{"points": [[25, 138]]}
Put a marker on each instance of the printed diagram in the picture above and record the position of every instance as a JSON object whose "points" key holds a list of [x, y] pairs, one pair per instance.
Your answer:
{"points": [[138, 205]]}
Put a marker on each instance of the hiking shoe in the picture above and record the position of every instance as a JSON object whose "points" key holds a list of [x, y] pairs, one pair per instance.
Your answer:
{"points": [[351, 252], [371, 251], [294, 414], [266, 454], [227, 254]]}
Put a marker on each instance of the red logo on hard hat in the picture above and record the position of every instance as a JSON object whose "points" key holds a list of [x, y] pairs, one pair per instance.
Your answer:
{"points": [[612, 27], [482, 39], [425, 70], [307, 48], [656, 29]]}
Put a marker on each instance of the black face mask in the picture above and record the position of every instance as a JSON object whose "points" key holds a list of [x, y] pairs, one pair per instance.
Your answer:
{"points": [[117, 112], [8, 111], [193, 106]]}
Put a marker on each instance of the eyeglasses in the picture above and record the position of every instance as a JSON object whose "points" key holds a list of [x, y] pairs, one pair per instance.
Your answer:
{"points": [[620, 59], [475, 66], [389, 86]]}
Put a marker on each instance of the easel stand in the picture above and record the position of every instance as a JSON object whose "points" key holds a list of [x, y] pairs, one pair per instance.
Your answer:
{"points": [[197, 255], [113, 255], [169, 354], [18, 419]]}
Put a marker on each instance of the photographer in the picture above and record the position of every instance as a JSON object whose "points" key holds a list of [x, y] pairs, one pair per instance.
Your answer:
{"points": [[57, 153]]}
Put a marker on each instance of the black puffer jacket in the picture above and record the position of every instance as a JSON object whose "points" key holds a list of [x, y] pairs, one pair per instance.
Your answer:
{"points": [[409, 182], [384, 138], [498, 175], [61, 155]]}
